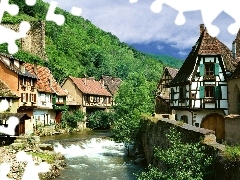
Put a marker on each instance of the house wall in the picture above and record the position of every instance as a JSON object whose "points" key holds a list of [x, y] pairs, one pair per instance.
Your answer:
{"points": [[73, 91], [195, 117], [9, 77], [41, 115], [29, 126], [44, 100], [233, 96]]}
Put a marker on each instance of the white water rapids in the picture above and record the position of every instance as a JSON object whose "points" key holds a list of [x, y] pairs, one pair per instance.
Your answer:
{"points": [[96, 159]]}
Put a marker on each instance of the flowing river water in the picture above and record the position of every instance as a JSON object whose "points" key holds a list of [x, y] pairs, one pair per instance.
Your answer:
{"points": [[92, 155]]}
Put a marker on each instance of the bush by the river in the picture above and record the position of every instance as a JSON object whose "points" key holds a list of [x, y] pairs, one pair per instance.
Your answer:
{"points": [[100, 120], [70, 119], [180, 161]]}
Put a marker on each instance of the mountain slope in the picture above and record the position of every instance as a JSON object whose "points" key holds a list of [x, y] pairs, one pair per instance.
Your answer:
{"points": [[79, 48]]}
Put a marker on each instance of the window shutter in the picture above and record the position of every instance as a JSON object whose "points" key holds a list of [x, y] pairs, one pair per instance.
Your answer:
{"points": [[202, 92], [172, 94], [201, 67], [216, 69], [218, 92], [35, 97], [21, 97], [26, 97]]}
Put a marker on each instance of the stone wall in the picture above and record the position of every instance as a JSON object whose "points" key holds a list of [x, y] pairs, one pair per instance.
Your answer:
{"points": [[34, 42], [153, 134], [232, 124]]}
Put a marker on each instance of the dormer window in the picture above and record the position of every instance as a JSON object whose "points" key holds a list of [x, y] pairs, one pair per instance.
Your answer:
{"points": [[209, 69]]}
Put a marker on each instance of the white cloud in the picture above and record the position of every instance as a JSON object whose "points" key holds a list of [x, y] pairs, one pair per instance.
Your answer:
{"points": [[136, 23]]}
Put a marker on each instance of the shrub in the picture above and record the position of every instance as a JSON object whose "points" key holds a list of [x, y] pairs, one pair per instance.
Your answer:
{"points": [[100, 120], [71, 118], [181, 160]]}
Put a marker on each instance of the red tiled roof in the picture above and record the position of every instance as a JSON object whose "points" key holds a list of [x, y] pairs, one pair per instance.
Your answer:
{"points": [[90, 86], [45, 82], [173, 72]]}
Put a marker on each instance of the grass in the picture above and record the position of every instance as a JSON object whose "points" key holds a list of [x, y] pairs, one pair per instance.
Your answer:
{"points": [[50, 159]]}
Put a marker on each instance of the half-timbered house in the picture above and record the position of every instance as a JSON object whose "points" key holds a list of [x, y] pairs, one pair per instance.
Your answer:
{"points": [[162, 94], [198, 93], [87, 94]]}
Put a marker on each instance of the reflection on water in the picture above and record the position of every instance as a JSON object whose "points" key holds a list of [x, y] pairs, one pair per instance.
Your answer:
{"points": [[92, 155]]}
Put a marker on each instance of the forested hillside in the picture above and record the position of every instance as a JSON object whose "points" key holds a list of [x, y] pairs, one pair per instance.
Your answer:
{"points": [[80, 48]]}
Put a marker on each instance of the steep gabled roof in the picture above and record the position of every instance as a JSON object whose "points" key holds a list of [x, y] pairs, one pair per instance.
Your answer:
{"points": [[46, 81], [5, 91], [173, 72], [112, 83], [90, 86], [205, 45], [13, 67]]}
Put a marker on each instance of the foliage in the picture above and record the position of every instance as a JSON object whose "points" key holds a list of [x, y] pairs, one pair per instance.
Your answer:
{"points": [[49, 158], [100, 120], [168, 60], [181, 160], [71, 118], [232, 153], [134, 98], [79, 48], [152, 174]]}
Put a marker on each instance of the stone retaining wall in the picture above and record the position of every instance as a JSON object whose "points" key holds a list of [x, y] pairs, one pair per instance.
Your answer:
{"points": [[153, 134]]}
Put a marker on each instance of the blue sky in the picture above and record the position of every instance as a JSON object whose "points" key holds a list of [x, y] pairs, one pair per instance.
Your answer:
{"points": [[137, 25]]}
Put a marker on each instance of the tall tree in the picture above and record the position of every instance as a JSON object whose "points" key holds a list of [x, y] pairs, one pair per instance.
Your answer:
{"points": [[133, 99]]}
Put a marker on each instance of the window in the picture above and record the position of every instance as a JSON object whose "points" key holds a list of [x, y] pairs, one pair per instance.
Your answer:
{"points": [[43, 98], [209, 69], [60, 99], [209, 91], [33, 97], [24, 97]]}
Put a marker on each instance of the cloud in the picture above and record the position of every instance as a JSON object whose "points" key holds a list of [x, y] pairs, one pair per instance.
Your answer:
{"points": [[136, 23]]}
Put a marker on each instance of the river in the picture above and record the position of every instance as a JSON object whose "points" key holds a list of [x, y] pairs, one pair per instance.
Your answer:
{"points": [[91, 155]]}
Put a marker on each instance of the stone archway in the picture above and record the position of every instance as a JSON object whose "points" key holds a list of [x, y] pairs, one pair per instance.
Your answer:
{"points": [[216, 123]]}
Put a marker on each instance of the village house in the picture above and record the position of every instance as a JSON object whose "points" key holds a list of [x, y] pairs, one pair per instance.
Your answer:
{"points": [[20, 82], [112, 84], [19, 88], [199, 92], [162, 105], [51, 98], [86, 94]]}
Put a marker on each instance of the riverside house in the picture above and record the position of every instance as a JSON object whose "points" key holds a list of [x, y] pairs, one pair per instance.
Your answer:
{"points": [[51, 98], [199, 92], [87, 94]]}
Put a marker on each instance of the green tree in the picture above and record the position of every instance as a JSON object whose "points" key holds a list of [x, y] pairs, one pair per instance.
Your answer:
{"points": [[100, 120], [70, 119], [182, 161], [133, 99]]}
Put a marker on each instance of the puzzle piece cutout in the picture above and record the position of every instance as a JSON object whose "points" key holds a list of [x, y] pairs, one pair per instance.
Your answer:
{"points": [[12, 9], [4, 170], [133, 1], [10, 36], [31, 170], [209, 10], [12, 121]]}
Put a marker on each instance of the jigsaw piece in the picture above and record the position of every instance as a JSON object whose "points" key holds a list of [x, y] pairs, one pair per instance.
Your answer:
{"points": [[10, 36], [12, 9], [133, 1], [12, 123], [31, 170], [4, 170], [76, 11], [30, 2], [4, 105], [51, 16], [209, 10]]}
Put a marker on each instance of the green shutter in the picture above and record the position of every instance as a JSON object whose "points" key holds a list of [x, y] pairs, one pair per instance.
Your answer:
{"points": [[172, 94], [202, 92], [218, 92], [201, 67], [216, 69]]}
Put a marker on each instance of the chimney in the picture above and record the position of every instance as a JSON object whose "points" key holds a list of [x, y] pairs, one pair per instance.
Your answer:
{"points": [[201, 28], [234, 50], [22, 67], [35, 68]]}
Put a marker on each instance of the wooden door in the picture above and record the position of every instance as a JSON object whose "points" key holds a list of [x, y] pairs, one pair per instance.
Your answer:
{"points": [[216, 123]]}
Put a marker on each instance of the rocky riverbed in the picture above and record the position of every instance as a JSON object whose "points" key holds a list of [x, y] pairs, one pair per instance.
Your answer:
{"points": [[39, 152]]}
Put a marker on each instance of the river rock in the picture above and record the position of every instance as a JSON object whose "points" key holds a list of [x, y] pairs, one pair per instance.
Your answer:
{"points": [[48, 147]]}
